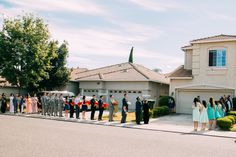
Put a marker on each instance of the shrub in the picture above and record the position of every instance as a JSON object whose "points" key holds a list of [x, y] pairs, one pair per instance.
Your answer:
{"points": [[163, 101], [150, 114], [165, 110], [232, 118], [160, 111], [224, 123], [232, 113]]}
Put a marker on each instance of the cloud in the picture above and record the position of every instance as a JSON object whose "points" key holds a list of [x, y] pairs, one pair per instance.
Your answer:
{"points": [[157, 5], [81, 6], [104, 41]]}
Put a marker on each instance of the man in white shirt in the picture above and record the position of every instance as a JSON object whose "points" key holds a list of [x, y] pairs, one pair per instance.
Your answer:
{"points": [[77, 107]]}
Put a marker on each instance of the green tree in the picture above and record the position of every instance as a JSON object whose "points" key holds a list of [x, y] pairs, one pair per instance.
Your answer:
{"points": [[58, 74], [131, 55], [24, 58]]}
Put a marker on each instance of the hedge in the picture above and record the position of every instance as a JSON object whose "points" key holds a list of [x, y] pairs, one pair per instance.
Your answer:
{"points": [[160, 111], [163, 101], [232, 113], [226, 122]]}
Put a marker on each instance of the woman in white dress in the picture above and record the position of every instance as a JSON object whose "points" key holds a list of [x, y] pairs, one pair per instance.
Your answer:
{"points": [[203, 115], [34, 104], [11, 103], [196, 113]]}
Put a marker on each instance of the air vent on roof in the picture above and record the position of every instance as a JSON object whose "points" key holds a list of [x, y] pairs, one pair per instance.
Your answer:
{"points": [[125, 70], [101, 76]]}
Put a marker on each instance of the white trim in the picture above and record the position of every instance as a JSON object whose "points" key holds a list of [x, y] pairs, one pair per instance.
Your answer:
{"points": [[204, 85], [211, 41], [181, 78]]}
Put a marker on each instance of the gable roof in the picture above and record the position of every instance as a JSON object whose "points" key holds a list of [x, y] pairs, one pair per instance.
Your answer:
{"points": [[122, 72], [75, 71], [216, 38], [181, 72]]}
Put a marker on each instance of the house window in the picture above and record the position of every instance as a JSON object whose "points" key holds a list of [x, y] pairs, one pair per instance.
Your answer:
{"points": [[217, 58]]}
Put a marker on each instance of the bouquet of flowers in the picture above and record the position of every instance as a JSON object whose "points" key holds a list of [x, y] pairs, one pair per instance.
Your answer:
{"points": [[80, 103], [87, 102], [96, 104], [114, 102], [129, 103], [105, 105]]}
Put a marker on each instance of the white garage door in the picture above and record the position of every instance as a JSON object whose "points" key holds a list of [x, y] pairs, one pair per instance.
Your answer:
{"points": [[185, 98], [131, 97]]}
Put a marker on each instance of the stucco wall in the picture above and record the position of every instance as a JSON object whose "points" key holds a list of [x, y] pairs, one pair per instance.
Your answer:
{"points": [[203, 74]]}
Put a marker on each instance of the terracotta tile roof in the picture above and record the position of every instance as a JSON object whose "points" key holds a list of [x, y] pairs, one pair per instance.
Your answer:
{"points": [[181, 72], [216, 38], [122, 72]]}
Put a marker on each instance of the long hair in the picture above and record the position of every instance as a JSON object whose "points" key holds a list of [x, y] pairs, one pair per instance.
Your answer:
{"points": [[195, 100], [204, 103], [84, 97], [211, 101]]}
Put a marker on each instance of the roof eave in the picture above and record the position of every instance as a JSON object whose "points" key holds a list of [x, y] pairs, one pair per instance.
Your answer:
{"points": [[181, 78], [212, 41]]}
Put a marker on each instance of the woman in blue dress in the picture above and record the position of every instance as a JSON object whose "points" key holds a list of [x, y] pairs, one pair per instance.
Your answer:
{"points": [[196, 113], [219, 110], [211, 109], [203, 115]]}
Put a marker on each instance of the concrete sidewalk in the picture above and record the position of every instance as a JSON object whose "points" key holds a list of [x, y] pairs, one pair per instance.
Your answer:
{"points": [[175, 123]]}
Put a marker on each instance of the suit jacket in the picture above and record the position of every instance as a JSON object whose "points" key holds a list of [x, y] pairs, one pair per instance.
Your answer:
{"points": [[100, 103], [125, 103]]}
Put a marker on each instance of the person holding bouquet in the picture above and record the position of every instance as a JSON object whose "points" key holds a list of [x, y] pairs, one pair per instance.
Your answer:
{"points": [[124, 108], [93, 107], [77, 106], [112, 103], [84, 107], [66, 106], [101, 108], [72, 104]]}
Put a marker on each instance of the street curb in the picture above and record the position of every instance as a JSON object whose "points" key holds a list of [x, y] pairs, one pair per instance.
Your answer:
{"points": [[103, 123]]}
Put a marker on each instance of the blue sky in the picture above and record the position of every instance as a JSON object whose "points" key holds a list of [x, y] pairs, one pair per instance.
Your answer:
{"points": [[102, 32]]}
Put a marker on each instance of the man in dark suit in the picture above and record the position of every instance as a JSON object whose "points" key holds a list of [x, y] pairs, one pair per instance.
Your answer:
{"points": [[93, 107], [138, 110], [124, 108], [101, 108]]}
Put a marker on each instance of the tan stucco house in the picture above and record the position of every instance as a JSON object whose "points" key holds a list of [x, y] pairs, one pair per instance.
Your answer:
{"points": [[133, 79], [209, 70]]}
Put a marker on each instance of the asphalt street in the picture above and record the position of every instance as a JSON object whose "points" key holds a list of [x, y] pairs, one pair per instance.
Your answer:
{"points": [[29, 137]]}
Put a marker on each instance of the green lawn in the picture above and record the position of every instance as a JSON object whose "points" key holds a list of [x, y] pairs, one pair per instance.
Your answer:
{"points": [[117, 117]]}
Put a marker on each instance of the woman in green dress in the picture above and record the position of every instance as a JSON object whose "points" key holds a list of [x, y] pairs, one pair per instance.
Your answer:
{"points": [[211, 110]]}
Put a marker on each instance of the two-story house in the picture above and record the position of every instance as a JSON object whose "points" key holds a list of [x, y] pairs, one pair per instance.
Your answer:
{"points": [[209, 70]]}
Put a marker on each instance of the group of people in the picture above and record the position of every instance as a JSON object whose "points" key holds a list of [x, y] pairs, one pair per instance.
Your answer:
{"points": [[53, 104], [18, 103], [208, 112]]}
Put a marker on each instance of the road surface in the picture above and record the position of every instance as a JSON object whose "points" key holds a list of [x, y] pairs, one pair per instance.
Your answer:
{"points": [[29, 137]]}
